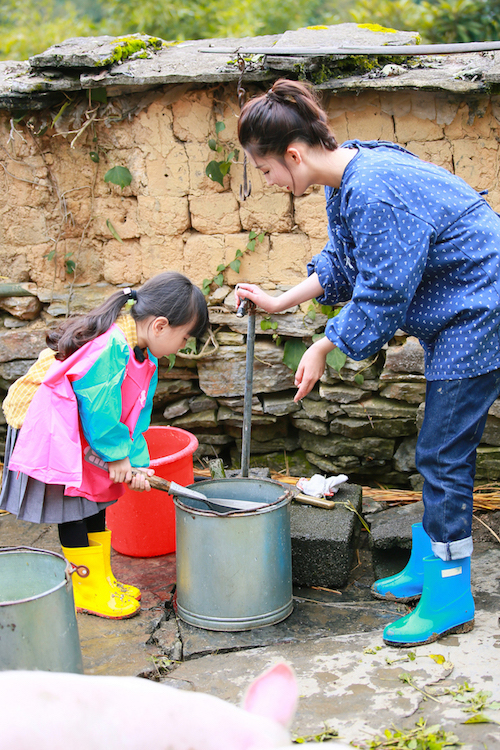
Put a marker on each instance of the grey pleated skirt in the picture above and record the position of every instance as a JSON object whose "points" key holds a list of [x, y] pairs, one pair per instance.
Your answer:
{"points": [[32, 500]]}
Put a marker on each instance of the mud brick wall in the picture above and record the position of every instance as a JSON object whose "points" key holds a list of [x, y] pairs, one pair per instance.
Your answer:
{"points": [[56, 207]]}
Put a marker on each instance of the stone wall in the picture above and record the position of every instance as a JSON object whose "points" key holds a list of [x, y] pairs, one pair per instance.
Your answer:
{"points": [[56, 208]]}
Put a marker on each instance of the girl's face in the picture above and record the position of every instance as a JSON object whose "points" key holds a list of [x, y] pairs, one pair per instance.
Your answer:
{"points": [[288, 172], [163, 339]]}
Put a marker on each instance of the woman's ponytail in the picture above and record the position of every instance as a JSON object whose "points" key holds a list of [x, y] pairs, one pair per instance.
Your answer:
{"points": [[289, 111]]}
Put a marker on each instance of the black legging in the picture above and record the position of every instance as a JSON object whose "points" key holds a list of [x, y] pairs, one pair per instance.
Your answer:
{"points": [[75, 533]]}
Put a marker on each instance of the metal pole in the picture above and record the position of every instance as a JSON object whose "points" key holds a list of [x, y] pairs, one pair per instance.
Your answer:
{"points": [[247, 405], [385, 50]]}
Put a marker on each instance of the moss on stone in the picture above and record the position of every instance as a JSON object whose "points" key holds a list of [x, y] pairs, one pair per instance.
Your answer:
{"points": [[128, 46], [376, 27], [324, 69]]}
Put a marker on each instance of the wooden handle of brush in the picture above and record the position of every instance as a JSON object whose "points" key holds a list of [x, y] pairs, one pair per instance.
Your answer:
{"points": [[319, 502], [157, 483]]}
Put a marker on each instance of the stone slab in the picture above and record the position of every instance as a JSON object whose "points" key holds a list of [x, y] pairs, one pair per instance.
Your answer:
{"points": [[391, 528], [323, 541], [352, 683], [390, 537], [311, 618]]}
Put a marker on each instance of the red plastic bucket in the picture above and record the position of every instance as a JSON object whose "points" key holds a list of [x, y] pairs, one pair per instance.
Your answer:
{"points": [[143, 523]]}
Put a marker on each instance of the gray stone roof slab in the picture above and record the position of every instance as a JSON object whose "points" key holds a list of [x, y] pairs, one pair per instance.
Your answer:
{"points": [[138, 62]]}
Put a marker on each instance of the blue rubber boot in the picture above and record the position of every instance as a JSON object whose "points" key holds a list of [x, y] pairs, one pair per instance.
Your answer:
{"points": [[407, 585], [446, 605]]}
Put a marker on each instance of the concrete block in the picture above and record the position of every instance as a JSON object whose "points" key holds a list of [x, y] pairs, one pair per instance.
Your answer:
{"points": [[323, 541]]}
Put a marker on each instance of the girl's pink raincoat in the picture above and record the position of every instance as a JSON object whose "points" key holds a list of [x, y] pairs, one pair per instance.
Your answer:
{"points": [[99, 398]]}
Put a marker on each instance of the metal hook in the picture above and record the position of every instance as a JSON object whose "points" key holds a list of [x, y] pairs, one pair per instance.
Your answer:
{"points": [[246, 187]]}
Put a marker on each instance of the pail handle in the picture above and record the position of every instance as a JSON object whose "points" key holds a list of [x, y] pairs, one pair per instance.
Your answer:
{"points": [[80, 570]]}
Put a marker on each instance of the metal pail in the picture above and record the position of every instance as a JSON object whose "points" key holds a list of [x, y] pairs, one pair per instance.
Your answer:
{"points": [[234, 571], [38, 628]]}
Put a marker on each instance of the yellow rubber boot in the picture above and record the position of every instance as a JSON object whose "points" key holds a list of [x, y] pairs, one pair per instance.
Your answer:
{"points": [[104, 538], [93, 593]]}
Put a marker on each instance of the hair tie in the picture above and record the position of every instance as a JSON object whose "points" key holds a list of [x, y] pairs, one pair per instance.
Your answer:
{"points": [[132, 296], [130, 293]]}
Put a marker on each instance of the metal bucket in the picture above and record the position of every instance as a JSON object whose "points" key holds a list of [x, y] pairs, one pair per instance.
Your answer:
{"points": [[234, 571], [38, 628]]}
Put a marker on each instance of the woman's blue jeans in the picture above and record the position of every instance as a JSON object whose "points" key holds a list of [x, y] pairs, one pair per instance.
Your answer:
{"points": [[455, 416]]}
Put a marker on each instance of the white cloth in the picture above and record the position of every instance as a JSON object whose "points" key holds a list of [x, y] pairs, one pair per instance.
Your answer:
{"points": [[319, 486]]}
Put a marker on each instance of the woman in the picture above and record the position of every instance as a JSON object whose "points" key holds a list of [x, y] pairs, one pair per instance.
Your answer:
{"points": [[410, 246]]}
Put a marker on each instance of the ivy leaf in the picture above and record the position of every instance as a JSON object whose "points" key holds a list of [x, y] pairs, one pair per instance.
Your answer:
{"points": [[171, 361], [70, 264], [293, 352], [261, 236], [235, 265], [336, 359], [224, 167], [438, 658], [219, 127], [118, 176], [213, 171], [219, 279], [252, 235], [221, 267], [311, 312], [265, 325], [251, 245], [205, 287], [359, 379], [238, 254], [480, 719], [99, 95], [95, 156], [212, 144], [113, 231]]}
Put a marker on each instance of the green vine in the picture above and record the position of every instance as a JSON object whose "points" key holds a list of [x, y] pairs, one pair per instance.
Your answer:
{"points": [[420, 738], [218, 169], [234, 265], [271, 325]]}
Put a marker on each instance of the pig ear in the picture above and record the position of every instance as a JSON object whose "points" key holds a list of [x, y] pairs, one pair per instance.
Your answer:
{"points": [[273, 694]]}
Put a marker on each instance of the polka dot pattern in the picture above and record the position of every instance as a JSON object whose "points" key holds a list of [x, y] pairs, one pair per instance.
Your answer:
{"points": [[412, 246]]}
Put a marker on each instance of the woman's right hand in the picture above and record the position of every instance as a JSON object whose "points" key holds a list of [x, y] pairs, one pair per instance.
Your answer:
{"points": [[257, 296]]}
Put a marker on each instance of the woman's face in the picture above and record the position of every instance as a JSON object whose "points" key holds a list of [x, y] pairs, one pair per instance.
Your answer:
{"points": [[286, 172]]}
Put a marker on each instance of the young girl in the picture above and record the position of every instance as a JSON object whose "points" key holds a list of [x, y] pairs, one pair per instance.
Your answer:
{"points": [[410, 246], [76, 423]]}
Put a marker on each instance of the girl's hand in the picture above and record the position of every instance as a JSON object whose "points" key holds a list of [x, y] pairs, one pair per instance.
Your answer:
{"points": [[120, 471], [139, 481], [256, 295], [311, 367]]}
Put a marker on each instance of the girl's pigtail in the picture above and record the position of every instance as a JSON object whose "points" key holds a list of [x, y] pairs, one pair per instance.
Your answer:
{"points": [[75, 332]]}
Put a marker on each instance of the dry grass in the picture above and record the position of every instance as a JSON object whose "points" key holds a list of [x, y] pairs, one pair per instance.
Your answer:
{"points": [[485, 497]]}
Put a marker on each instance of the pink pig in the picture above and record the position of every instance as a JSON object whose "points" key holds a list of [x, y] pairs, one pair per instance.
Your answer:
{"points": [[60, 711]]}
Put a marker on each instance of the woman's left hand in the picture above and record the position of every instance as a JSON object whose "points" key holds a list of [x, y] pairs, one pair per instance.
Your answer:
{"points": [[311, 367]]}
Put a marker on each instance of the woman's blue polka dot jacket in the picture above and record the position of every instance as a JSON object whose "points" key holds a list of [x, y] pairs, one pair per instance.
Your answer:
{"points": [[412, 246]]}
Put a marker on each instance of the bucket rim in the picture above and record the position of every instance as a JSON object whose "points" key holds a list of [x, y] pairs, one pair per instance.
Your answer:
{"points": [[188, 450], [15, 550], [285, 499]]}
